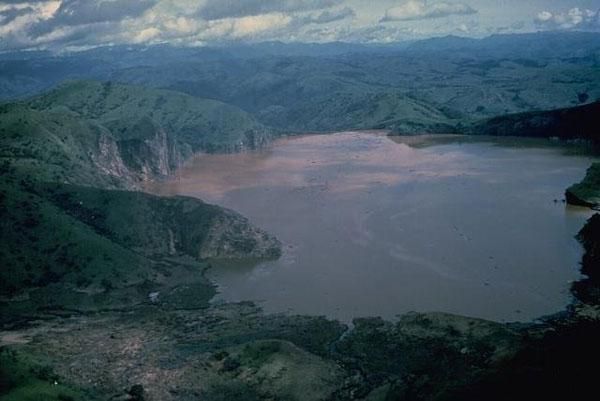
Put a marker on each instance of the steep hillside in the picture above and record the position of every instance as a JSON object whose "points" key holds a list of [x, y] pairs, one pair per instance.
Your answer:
{"points": [[109, 135], [70, 240], [129, 111], [64, 246]]}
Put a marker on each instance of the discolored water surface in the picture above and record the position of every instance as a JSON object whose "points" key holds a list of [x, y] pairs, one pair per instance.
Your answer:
{"points": [[373, 226]]}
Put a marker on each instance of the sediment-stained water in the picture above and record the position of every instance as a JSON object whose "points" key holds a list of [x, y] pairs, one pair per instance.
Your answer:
{"points": [[374, 227]]}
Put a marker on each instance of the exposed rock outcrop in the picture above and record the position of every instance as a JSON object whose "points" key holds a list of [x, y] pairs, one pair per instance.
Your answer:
{"points": [[231, 236]]}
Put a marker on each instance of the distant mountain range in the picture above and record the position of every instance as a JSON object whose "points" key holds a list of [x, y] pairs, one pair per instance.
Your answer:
{"points": [[413, 87]]}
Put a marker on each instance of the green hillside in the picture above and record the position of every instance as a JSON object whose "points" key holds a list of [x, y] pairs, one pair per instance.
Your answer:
{"points": [[83, 248], [362, 110], [587, 192], [70, 240], [109, 135], [204, 124]]}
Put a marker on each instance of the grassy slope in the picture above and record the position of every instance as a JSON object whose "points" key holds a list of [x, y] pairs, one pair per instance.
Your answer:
{"points": [[25, 378], [587, 192], [359, 90], [68, 242], [362, 110], [202, 123], [303, 94], [52, 146], [85, 249]]}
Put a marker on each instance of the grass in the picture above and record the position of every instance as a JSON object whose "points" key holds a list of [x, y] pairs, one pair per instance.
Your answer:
{"points": [[74, 247], [24, 378], [132, 112]]}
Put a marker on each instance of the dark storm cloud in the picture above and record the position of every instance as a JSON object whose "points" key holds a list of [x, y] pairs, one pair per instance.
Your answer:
{"points": [[218, 9], [85, 12]]}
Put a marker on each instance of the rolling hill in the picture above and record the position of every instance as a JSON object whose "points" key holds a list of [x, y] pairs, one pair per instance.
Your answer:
{"points": [[338, 86]]}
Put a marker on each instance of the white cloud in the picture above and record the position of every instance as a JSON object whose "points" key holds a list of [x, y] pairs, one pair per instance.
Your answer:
{"points": [[60, 24], [219, 9], [13, 30], [328, 16], [422, 9], [544, 16], [575, 18], [146, 35], [82, 12], [250, 26]]}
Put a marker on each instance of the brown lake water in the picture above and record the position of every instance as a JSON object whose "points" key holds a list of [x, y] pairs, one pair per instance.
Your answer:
{"points": [[375, 227]]}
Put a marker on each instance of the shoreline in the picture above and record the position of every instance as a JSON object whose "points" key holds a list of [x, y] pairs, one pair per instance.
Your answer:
{"points": [[165, 348]]}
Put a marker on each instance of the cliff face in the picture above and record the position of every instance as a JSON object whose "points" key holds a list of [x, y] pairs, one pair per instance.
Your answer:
{"points": [[150, 155], [231, 237]]}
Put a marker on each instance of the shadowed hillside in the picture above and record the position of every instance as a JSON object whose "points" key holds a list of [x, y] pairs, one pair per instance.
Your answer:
{"points": [[587, 192], [581, 122]]}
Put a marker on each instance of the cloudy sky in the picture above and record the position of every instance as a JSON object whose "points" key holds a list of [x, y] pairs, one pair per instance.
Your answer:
{"points": [[72, 24]]}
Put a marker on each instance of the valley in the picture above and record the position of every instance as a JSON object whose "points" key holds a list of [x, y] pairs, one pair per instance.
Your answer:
{"points": [[301, 222]]}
